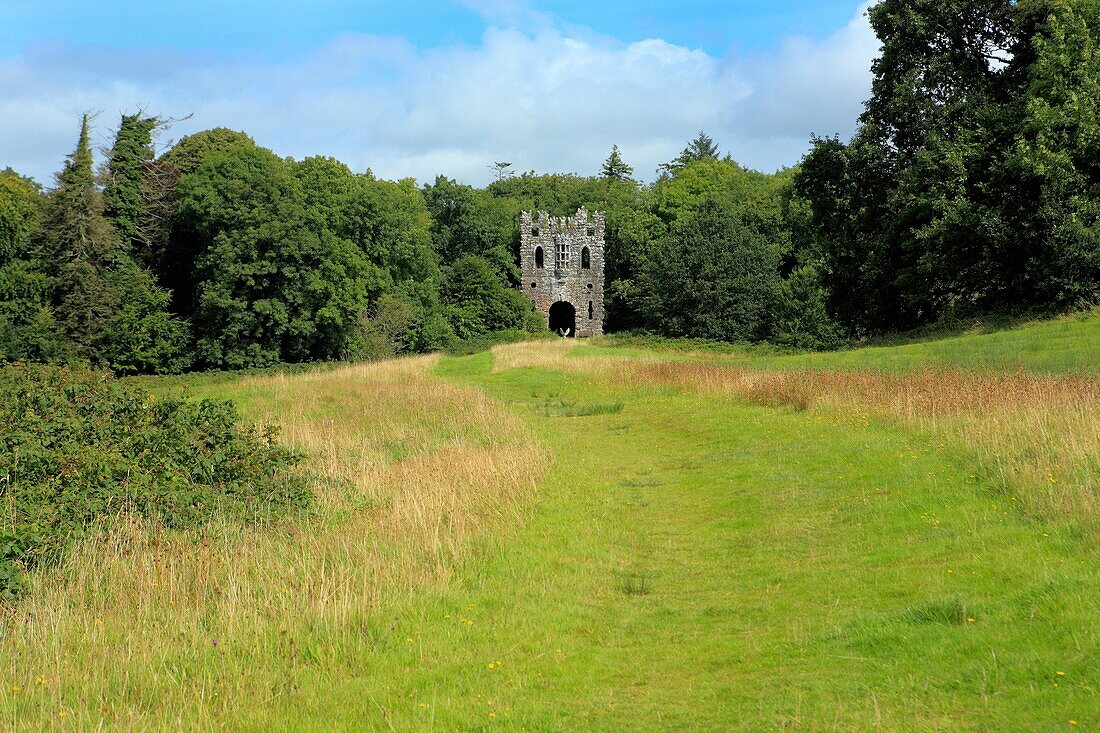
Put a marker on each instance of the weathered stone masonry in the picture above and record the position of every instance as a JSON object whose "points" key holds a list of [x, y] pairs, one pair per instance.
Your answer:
{"points": [[562, 262]]}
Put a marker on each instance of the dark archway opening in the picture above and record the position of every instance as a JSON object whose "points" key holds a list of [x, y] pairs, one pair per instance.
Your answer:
{"points": [[586, 259], [538, 258], [563, 319]]}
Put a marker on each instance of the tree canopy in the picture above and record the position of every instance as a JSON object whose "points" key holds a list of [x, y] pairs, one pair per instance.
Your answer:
{"points": [[970, 186]]}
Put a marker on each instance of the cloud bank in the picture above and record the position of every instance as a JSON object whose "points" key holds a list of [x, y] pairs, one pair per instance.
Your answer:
{"points": [[538, 93]]}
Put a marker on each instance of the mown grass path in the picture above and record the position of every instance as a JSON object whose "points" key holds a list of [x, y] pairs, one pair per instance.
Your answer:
{"points": [[699, 565], [685, 561]]}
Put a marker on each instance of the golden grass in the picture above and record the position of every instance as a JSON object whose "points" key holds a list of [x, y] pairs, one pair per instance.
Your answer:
{"points": [[416, 473], [1036, 436]]}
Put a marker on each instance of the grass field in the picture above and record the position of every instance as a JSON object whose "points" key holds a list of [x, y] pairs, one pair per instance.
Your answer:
{"points": [[561, 536], [1067, 345]]}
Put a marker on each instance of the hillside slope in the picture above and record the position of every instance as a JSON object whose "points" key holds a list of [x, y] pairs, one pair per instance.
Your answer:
{"points": [[564, 536]]}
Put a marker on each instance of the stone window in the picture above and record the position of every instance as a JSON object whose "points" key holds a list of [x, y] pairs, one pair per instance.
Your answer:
{"points": [[534, 285], [590, 310], [538, 258], [563, 253], [535, 232], [591, 231], [586, 259]]}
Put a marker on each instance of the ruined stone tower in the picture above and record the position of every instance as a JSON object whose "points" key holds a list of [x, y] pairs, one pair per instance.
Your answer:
{"points": [[562, 262]]}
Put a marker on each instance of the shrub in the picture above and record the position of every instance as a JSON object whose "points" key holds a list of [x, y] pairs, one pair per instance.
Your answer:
{"points": [[79, 446]]}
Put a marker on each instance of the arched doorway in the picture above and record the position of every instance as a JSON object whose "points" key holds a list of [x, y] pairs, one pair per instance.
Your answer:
{"points": [[563, 319]]}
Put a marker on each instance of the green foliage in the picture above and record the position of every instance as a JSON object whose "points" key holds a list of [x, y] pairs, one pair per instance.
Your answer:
{"points": [[192, 151], [713, 277], [173, 244], [466, 221], [971, 185], [614, 168], [28, 328], [702, 148], [110, 309], [141, 336], [272, 281], [800, 317], [397, 325], [1054, 207], [20, 211], [131, 153], [478, 302], [754, 197], [79, 447]]}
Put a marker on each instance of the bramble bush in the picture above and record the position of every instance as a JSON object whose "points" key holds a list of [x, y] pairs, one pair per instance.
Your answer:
{"points": [[78, 446]]}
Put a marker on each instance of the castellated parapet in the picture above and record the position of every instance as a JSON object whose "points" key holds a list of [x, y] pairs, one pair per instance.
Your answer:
{"points": [[562, 260]]}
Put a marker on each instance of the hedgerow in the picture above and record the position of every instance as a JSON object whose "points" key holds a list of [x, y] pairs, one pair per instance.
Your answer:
{"points": [[79, 446]]}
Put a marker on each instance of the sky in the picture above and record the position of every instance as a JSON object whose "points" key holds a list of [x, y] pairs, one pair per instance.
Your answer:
{"points": [[417, 88]]}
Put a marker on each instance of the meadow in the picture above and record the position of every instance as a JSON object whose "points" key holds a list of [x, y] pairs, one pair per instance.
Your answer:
{"points": [[609, 535]]}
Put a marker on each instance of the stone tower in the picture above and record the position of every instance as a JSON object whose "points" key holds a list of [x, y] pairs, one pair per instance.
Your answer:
{"points": [[562, 262]]}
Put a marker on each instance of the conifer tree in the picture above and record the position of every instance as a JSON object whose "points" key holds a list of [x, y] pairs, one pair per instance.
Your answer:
{"points": [[127, 162], [614, 168], [109, 307], [80, 247], [702, 147]]}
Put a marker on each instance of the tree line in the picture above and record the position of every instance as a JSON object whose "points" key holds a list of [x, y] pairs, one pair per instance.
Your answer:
{"points": [[972, 185]]}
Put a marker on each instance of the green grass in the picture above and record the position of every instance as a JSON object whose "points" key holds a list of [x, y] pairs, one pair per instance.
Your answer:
{"points": [[703, 566], [694, 563], [1067, 345]]}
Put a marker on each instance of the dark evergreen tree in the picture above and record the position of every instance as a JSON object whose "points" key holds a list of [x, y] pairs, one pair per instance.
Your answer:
{"points": [[701, 148], [81, 249], [127, 162], [110, 308], [614, 168], [712, 277]]}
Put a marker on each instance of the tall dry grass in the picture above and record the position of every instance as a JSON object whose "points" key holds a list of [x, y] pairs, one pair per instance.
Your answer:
{"points": [[414, 472], [1035, 436]]}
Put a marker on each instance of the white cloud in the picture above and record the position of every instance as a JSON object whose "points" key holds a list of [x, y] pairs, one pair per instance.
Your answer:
{"points": [[810, 87], [542, 95]]}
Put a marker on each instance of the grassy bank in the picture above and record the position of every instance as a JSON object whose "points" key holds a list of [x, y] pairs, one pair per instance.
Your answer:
{"points": [[146, 628], [612, 539], [1064, 346]]}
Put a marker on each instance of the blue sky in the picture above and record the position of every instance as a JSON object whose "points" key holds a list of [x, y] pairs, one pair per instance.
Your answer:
{"points": [[421, 88], [281, 26]]}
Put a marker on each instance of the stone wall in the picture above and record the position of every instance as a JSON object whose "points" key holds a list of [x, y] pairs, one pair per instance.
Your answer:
{"points": [[562, 276]]}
